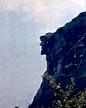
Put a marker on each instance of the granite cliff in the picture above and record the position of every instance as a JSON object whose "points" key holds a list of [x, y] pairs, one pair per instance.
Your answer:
{"points": [[65, 52]]}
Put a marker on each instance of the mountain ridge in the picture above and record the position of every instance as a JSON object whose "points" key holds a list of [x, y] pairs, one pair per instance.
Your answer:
{"points": [[65, 52]]}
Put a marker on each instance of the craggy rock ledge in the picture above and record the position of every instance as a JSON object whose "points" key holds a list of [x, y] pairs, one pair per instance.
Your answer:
{"points": [[65, 52]]}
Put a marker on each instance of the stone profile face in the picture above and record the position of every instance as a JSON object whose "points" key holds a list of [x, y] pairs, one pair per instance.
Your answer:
{"points": [[45, 43]]}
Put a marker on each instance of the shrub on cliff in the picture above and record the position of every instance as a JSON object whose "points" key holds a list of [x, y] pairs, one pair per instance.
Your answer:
{"points": [[71, 98]]}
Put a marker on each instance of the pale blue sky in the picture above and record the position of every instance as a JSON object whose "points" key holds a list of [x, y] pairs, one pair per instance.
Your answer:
{"points": [[21, 24]]}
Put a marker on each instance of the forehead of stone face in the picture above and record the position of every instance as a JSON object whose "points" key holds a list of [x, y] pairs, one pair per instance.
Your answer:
{"points": [[43, 38], [46, 37]]}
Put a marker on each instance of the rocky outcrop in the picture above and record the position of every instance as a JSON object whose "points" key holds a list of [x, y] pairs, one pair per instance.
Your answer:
{"points": [[65, 52]]}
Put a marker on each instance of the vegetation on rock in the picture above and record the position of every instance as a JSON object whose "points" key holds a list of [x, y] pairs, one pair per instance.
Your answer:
{"points": [[71, 98]]}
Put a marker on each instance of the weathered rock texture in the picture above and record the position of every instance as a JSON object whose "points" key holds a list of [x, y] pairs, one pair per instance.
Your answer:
{"points": [[65, 52]]}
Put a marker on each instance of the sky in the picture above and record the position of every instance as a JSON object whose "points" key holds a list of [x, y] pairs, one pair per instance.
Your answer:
{"points": [[22, 22]]}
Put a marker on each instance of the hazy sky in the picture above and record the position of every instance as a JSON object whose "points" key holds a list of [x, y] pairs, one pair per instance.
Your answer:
{"points": [[21, 24]]}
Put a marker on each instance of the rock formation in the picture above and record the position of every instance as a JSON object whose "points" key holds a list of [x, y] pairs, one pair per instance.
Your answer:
{"points": [[65, 52]]}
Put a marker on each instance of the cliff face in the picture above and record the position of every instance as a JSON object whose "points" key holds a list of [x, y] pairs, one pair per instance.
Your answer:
{"points": [[65, 52]]}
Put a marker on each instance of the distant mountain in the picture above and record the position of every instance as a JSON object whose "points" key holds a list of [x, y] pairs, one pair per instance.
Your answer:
{"points": [[65, 52]]}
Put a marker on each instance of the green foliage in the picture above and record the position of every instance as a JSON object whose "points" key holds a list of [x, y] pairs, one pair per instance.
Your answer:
{"points": [[71, 98]]}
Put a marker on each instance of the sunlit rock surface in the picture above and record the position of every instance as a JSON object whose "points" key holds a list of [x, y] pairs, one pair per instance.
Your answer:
{"points": [[65, 52]]}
